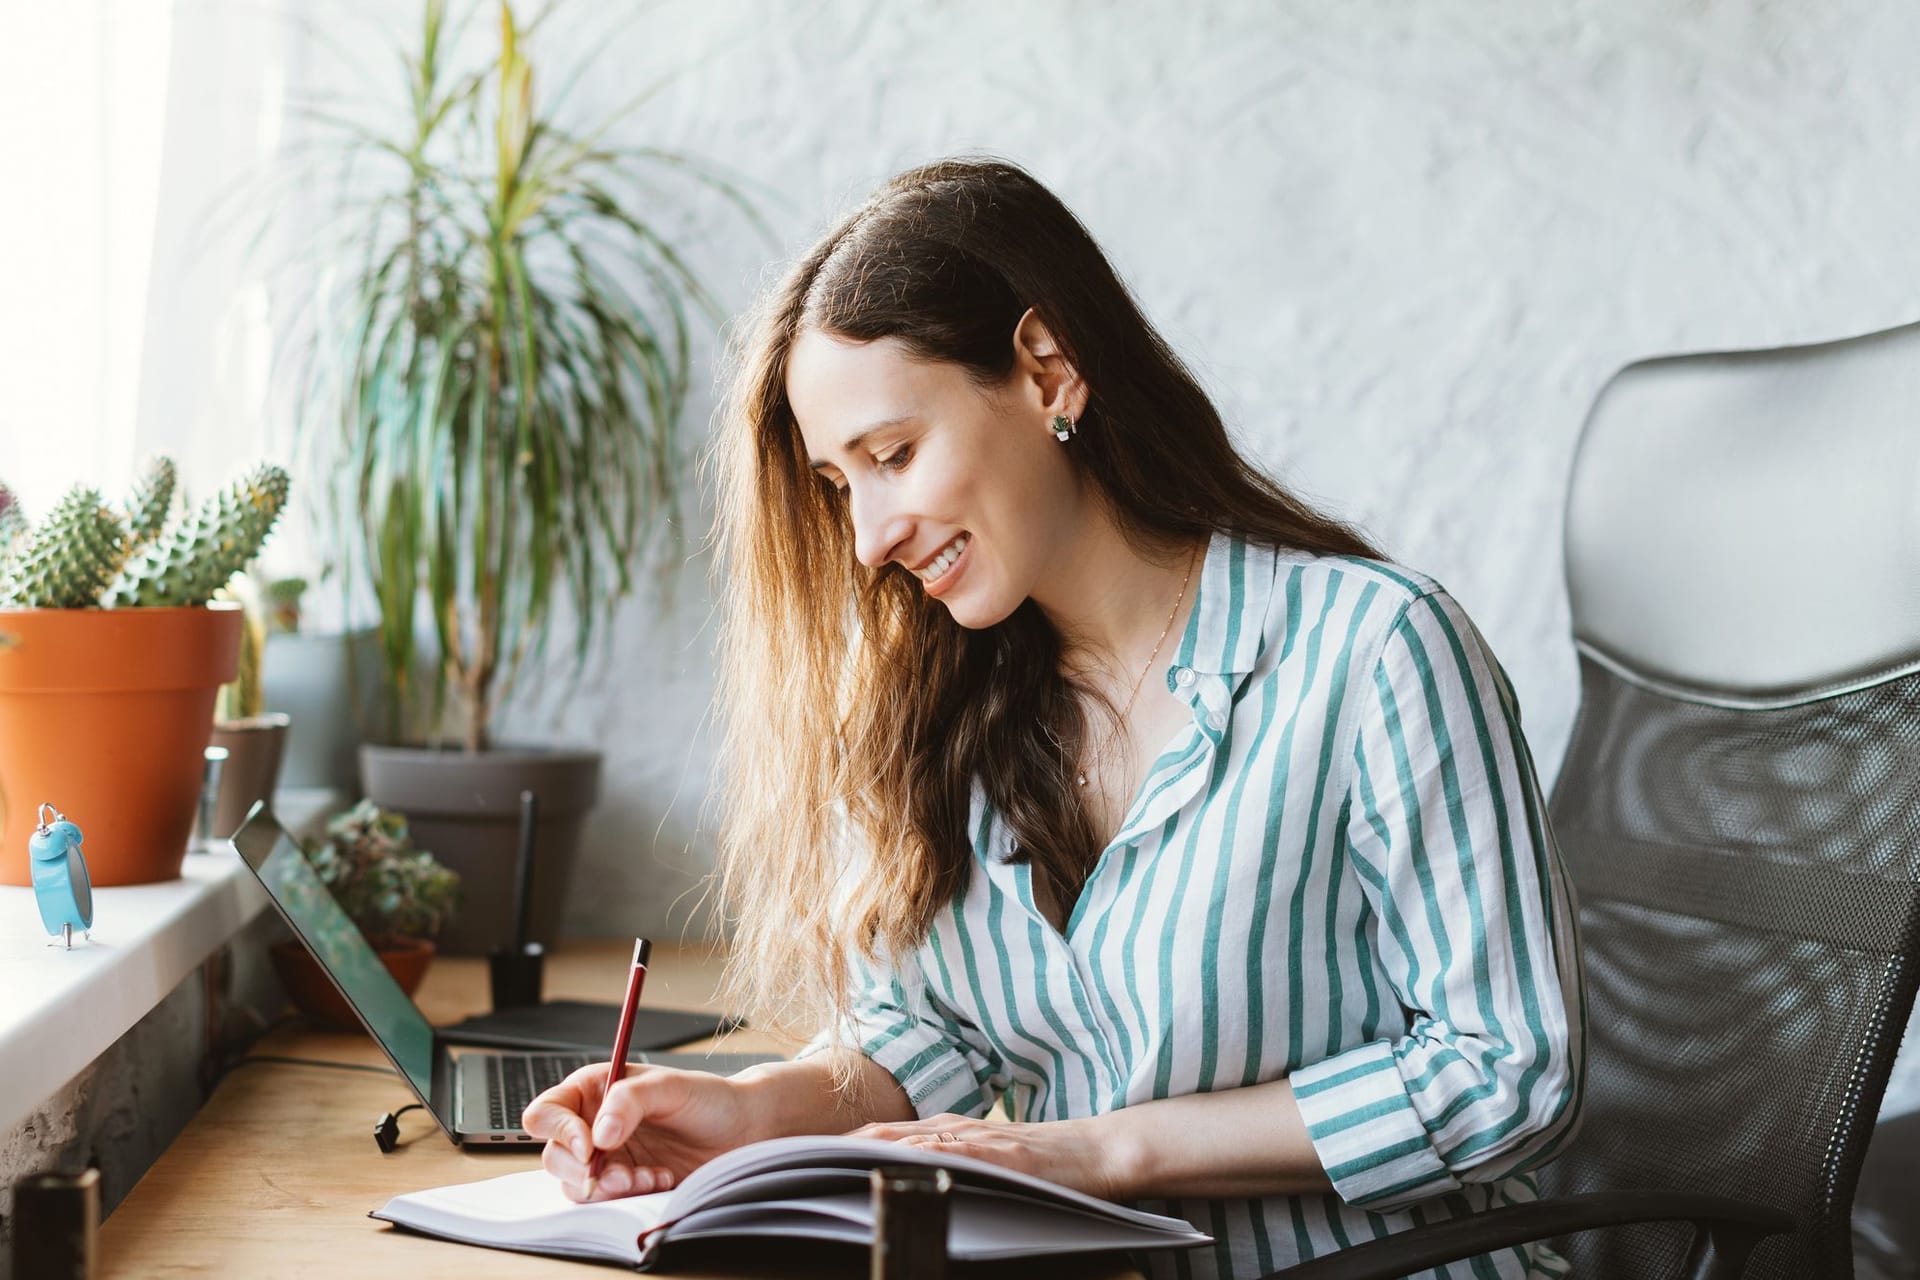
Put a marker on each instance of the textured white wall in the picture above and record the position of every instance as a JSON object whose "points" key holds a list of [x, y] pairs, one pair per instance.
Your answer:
{"points": [[1402, 245]]}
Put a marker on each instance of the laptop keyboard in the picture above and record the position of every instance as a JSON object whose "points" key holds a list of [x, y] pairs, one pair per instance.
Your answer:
{"points": [[513, 1080]]}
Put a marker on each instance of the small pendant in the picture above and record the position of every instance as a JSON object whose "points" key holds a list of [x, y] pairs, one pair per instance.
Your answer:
{"points": [[1080, 778]]}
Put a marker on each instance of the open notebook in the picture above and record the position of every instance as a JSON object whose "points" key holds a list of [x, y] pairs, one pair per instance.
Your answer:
{"points": [[796, 1188]]}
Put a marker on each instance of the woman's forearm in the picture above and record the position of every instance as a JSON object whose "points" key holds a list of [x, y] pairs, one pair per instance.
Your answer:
{"points": [[1235, 1143], [799, 1097]]}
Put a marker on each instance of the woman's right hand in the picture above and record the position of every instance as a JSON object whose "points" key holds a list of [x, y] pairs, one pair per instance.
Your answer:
{"points": [[655, 1126]]}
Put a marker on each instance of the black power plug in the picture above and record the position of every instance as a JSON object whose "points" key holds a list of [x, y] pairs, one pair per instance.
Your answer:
{"points": [[386, 1130]]}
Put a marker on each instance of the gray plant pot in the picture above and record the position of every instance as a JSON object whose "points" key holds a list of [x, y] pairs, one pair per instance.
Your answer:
{"points": [[465, 809], [329, 685], [255, 749]]}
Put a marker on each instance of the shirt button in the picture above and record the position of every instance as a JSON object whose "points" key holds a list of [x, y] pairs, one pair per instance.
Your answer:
{"points": [[1216, 721], [1183, 676]]}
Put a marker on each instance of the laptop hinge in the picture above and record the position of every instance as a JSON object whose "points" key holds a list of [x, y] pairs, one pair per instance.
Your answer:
{"points": [[442, 1094]]}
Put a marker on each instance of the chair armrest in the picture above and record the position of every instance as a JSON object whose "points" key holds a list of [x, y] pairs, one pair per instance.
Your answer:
{"points": [[1724, 1233]]}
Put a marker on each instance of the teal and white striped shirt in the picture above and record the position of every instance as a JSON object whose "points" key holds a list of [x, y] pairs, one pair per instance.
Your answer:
{"points": [[1341, 872]]}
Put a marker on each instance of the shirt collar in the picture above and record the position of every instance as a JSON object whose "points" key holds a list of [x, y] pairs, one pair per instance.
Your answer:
{"points": [[1227, 628]]}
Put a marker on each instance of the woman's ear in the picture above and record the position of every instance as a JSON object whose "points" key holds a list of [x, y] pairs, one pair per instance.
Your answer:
{"points": [[1042, 371]]}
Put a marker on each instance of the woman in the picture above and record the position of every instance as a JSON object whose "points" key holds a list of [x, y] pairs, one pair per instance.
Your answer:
{"points": [[1072, 760]]}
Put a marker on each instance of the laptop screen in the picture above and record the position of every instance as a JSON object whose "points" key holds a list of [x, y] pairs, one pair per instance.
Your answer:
{"points": [[337, 942]]}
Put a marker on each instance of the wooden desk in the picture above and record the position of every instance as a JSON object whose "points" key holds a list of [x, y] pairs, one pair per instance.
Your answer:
{"points": [[275, 1176]]}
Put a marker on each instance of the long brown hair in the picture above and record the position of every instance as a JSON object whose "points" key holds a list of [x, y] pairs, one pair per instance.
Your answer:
{"points": [[856, 713]]}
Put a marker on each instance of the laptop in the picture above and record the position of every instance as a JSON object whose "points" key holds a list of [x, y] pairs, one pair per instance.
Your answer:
{"points": [[476, 1096]]}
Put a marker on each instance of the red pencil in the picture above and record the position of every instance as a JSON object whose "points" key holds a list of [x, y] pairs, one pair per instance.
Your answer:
{"points": [[617, 1066]]}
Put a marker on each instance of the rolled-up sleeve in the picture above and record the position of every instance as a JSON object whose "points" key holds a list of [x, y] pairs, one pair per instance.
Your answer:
{"points": [[941, 1060], [1474, 930]]}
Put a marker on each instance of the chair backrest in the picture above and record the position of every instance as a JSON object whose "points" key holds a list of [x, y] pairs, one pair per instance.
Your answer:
{"points": [[1740, 804]]}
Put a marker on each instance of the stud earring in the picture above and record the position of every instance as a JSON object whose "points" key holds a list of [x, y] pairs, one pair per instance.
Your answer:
{"points": [[1063, 426]]}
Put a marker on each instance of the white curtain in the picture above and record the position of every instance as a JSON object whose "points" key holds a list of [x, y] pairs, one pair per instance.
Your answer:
{"points": [[126, 329]]}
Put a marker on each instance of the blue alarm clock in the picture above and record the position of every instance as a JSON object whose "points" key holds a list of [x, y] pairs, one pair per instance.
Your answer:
{"points": [[60, 883]]}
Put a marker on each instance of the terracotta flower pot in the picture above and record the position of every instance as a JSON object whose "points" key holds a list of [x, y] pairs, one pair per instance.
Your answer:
{"points": [[314, 994], [105, 714]]}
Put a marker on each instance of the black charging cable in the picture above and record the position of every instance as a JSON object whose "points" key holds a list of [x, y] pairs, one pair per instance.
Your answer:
{"points": [[386, 1130]]}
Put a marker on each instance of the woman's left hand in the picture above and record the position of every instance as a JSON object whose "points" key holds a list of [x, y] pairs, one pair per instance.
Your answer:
{"points": [[1069, 1152]]}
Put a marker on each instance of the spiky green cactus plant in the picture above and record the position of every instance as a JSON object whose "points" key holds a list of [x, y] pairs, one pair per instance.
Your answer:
{"points": [[70, 558], [194, 558], [151, 499], [245, 697]]}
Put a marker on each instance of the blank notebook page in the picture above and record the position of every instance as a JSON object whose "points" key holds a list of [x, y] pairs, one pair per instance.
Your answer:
{"points": [[530, 1211]]}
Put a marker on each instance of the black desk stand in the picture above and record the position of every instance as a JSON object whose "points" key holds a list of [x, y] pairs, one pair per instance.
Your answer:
{"points": [[522, 1020]]}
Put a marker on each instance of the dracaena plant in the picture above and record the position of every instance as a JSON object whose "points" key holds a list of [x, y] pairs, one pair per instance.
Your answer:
{"points": [[501, 364]]}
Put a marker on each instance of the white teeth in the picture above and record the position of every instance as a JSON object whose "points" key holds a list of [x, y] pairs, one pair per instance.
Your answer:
{"points": [[939, 565]]}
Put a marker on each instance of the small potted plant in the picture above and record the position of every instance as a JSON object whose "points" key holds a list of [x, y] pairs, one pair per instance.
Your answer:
{"points": [[284, 596], [112, 648], [254, 738], [398, 895]]}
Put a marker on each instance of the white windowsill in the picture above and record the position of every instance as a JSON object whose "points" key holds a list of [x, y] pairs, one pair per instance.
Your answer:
{"points": [[59, 1009]]}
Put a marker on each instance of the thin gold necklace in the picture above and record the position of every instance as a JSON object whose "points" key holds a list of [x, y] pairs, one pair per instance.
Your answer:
{"points": [[1080, 778]]}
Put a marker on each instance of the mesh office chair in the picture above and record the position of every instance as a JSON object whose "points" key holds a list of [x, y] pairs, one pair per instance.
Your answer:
{"points": [[1739, 810]]}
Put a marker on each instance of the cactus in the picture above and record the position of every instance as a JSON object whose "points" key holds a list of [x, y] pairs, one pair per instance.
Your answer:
{"points": [[194, 559], [70, 558], [244, 697], [85, 555], [149, 502]]}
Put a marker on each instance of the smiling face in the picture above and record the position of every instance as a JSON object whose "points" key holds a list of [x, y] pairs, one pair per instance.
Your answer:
{"points": [[963, 486]]}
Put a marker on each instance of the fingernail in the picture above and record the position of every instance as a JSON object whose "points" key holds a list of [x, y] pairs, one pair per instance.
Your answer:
{"points": [[605, 1131], [615, 1180]]}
